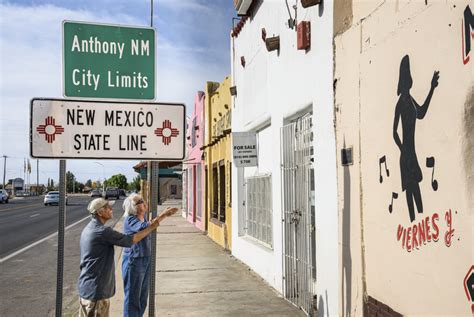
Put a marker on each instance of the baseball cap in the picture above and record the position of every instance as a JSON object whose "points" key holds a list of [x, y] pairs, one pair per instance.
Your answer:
{"points": [[98, 203]]}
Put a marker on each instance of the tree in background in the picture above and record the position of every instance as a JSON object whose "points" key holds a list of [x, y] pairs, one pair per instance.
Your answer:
{"points": [[88, 183], [50, 184], [135, 184], [79, 187], [70, 181], [118, 181]]}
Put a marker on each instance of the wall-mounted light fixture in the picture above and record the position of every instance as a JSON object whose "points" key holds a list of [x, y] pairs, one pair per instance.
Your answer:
{"points": [[272, 43], [309, 3], [233, 91]]}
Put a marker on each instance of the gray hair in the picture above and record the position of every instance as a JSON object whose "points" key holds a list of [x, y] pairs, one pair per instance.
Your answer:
{"points": [[129, 204]]}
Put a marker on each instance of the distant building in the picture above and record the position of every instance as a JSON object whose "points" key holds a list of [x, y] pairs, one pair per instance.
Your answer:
{"points": [[169, 179], [14, 185]]}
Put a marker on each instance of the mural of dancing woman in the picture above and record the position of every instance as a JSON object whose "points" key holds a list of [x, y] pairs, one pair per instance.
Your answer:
{"points": [[408, 111]]}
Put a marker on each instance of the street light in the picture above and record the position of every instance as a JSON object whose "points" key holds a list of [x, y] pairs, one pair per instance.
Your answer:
{"points": [[103, 175]]}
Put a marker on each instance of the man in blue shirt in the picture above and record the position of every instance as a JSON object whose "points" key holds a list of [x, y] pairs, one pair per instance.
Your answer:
{"points": [[96, 282]]}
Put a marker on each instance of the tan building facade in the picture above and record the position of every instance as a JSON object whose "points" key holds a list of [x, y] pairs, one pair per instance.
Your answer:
{"points": [[218, 162], [404, 114]]}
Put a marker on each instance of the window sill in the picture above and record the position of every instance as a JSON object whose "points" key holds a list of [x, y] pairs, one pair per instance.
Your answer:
{"points": [[217, 222], [257, 242]]}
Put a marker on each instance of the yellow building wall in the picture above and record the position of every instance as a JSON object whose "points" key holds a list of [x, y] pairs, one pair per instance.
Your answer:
{"points": [[218, 153]]}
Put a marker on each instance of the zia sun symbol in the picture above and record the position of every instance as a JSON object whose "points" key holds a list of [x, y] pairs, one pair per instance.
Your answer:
{"points": [[50, 129], [166, 132]]}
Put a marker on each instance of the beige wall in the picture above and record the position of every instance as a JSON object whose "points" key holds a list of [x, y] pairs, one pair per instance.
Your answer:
{"points": [[429, 278]]}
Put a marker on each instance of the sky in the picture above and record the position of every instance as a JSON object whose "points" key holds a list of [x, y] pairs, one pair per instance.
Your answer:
{"points": [[193, 46]]}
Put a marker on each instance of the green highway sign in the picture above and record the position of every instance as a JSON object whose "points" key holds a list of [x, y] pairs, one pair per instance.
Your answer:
{"points": [[108, 61]]}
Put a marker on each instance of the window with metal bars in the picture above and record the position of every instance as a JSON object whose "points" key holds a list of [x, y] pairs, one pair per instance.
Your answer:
{"points": [[259, 208]]}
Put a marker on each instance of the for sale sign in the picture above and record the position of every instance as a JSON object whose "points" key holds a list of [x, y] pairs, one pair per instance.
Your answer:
{"points": [[244, 145], [78, 129], [108, 61]]}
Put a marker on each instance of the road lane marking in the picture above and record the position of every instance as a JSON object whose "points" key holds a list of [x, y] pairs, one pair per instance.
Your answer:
{"points": [[35, 215], [40, 241]]}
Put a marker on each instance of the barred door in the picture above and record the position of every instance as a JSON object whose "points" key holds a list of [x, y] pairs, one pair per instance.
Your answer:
{"points": [[299, 267]]}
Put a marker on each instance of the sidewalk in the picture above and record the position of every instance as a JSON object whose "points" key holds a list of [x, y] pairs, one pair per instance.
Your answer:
{"points": [[195, 277]]}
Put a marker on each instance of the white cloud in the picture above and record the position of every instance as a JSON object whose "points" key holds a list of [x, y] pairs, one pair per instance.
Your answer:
{"points": [[189, 5], [30, 66]]}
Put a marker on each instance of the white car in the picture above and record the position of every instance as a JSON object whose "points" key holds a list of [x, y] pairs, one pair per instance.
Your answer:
{"points": [[52, 198], [3, 196]]}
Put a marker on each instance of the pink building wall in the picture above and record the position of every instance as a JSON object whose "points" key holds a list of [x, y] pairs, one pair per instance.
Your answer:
{"points": [[194, 164]]}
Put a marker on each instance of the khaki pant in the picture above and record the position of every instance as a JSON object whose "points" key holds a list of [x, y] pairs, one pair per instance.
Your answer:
{"points": [[94, 308]]}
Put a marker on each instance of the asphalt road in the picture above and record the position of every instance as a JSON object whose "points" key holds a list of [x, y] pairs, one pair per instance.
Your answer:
{"points": [[28, 278], [24, 221]]}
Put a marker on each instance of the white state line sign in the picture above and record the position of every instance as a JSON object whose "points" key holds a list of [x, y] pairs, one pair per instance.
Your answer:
{"points": [[78, 129]]}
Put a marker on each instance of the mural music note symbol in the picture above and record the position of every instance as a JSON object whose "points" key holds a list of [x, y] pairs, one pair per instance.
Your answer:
{"points": [[390, 207], [383, 160], [430, 162]]}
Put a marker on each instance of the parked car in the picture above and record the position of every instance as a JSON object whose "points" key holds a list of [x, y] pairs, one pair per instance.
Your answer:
{"points": [[3, 196], [52, 198], [112, 192], [96, 193]]}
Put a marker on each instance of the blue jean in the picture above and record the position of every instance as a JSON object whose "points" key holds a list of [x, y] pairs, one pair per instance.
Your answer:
{"points": [[135, 273]]}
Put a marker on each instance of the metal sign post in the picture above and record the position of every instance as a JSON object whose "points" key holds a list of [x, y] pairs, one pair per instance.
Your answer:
{"points": [[155, 169], [61, 225]]}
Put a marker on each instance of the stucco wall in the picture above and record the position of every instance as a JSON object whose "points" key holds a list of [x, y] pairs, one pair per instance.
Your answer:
{"points": [[387, 43], [218, 148], [194, 161], [273, 88]]}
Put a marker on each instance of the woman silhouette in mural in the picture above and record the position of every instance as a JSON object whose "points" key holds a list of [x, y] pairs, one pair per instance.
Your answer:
{"points": [[408, 110]]}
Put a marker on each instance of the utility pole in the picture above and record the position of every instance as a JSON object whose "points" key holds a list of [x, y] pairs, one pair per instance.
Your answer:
{"points": [[4, 169]]}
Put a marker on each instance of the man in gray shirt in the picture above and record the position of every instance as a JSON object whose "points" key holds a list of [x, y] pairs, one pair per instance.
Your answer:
{"points": [[96, 282]]}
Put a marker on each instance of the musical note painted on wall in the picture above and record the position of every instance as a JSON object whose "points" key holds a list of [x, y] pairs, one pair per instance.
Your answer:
{"points": [[390, 207], [383, 160], [430, 163]]}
